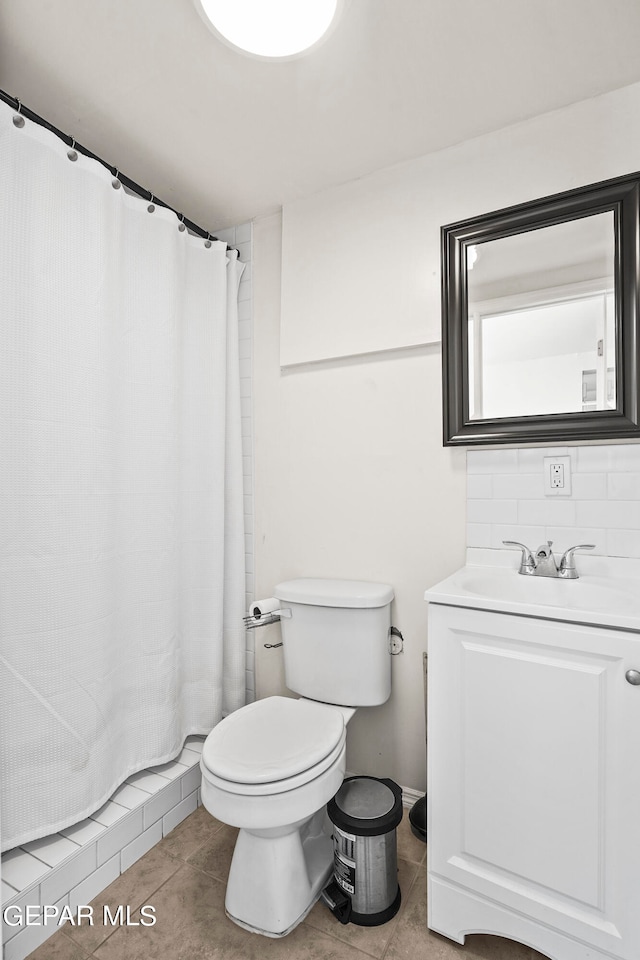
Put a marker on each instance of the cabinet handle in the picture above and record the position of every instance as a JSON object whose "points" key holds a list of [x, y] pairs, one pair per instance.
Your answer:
{"points": [[633, 676]]}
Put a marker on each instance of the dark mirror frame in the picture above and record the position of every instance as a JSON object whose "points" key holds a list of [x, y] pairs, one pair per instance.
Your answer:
{"points": [[622, 196]]}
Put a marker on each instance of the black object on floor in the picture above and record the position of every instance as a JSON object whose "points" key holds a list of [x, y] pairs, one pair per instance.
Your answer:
{"points": [[418, 819]]}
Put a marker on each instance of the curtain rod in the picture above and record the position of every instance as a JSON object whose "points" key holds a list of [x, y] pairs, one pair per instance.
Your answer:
{"points": [[125, 181]]}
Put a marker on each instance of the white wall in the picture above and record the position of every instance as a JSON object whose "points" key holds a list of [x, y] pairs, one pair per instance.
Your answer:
{"points": [[351, 476], [361, 262]]}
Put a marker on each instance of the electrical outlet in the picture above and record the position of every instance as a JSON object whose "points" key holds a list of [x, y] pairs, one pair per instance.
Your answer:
{"points": [[557, 476]]}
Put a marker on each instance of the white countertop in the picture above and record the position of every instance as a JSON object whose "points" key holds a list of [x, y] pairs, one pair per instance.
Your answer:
{"points": [[606, 593]]}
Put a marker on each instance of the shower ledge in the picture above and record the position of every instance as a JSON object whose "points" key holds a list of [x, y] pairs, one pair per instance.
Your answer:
{"points": [[73, 866]]}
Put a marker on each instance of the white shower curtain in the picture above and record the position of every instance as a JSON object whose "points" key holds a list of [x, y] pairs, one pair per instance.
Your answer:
{"points": [[121, 507]]}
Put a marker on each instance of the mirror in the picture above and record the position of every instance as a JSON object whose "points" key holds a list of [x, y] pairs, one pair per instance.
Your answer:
{"points": [[540, 314]]}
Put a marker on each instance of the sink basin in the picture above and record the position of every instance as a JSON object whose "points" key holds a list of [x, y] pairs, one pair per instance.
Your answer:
{"points": [[589, 599], [582, 593]]}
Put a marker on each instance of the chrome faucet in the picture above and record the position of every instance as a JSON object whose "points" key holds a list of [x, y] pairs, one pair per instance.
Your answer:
{"points": [[544, 564]]}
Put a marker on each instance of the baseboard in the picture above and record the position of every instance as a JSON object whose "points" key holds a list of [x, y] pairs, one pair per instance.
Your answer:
{"points": [[410, 796]]}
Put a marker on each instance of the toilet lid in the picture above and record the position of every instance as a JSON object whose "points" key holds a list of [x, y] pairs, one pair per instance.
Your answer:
{"points": [[272, 739]]}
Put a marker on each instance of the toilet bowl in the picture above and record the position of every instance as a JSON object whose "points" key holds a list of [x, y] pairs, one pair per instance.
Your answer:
{"points": [[270, 769]]}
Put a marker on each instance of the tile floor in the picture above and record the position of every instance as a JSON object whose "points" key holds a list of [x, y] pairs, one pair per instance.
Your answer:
{"points": [[183, 877]]}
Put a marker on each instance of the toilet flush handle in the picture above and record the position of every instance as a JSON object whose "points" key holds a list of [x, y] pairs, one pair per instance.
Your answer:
{"points": [[396, 641]]}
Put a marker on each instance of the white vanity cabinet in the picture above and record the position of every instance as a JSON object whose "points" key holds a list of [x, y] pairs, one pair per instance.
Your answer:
{"points": [[534, 782]]}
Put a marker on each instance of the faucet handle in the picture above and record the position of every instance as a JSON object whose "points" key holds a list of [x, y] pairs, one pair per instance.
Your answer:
{"points": [[544, 550], [527, 563], [567, 567]]}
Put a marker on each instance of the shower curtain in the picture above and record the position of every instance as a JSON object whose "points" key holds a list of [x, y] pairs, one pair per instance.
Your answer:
{"points": [[121, 506]]}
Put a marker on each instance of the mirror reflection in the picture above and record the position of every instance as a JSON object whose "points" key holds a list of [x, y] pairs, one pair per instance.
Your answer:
{"points": [[541, 320]]}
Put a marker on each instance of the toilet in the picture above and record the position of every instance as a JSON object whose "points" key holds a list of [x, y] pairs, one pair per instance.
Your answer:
{"points": [[271, 767]]}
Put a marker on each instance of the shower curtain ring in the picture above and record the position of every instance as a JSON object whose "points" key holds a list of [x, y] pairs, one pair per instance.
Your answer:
{"points": [[115, 183], [18, 120], [207, 242], [152, 205], [71, 153], [181, 225]]}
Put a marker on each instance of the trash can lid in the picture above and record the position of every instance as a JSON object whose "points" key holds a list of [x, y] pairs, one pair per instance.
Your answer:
{"points": [[365, 798], [366, 806]]}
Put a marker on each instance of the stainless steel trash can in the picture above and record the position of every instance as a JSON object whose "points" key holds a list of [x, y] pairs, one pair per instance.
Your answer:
{"points": [[365, 813]]}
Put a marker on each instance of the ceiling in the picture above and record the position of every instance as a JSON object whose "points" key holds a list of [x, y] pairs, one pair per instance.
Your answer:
{"points": [[224, 138]]}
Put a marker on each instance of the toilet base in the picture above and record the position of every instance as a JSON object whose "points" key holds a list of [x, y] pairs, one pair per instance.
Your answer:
{"points": [[274, 881]]}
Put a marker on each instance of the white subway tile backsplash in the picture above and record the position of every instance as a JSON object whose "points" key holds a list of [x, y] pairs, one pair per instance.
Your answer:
{"points": [[603, 508], [625, 458], [565, 537], [531, 535], [589, 486], [492, 461], [492, 511], [545, 512], [479, 534], [593, 459], [619, 514], [623, 486], [479, 486], [623, 543]]}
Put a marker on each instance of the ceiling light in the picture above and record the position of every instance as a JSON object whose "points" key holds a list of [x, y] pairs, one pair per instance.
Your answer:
{"points": [[273, 29]]}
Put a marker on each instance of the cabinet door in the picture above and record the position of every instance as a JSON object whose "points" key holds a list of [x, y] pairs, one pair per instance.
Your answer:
{"points": [[534, 759]]}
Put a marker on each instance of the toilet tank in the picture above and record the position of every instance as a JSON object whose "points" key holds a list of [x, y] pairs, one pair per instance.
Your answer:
{"points": [[335, 637]]}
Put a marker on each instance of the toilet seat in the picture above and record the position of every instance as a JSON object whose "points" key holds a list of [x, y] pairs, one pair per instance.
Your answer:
{"points": [[273, 745]]}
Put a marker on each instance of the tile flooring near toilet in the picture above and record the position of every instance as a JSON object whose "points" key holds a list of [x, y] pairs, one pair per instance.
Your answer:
{"points": [[183, 879]]}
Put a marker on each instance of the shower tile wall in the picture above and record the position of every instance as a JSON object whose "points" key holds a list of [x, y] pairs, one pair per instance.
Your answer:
{"points": [[506, 499], [241, 238]]}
